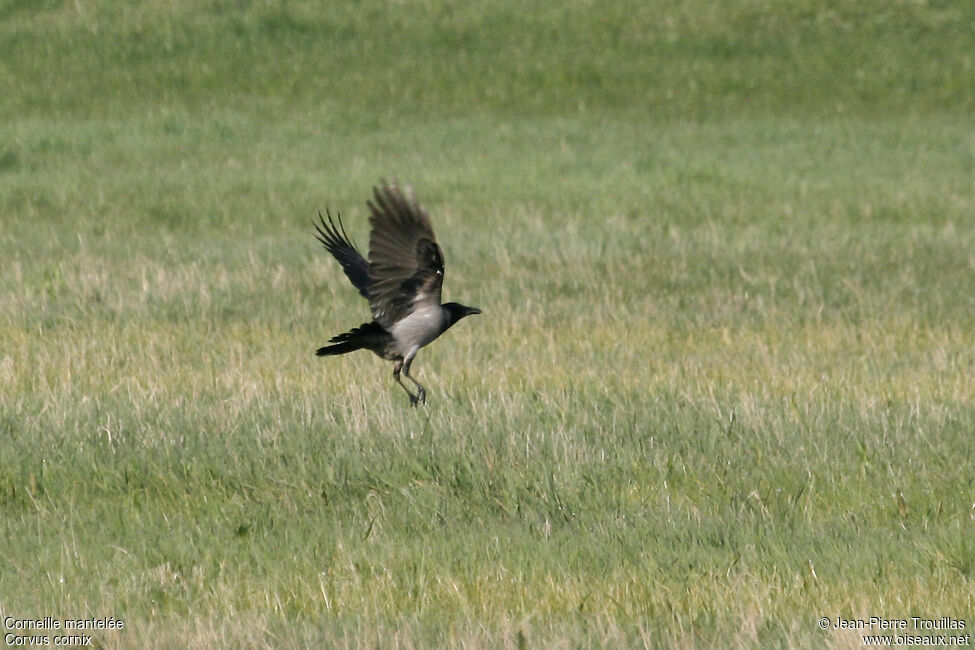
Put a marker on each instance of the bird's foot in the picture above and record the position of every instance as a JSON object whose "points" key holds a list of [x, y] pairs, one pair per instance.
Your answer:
{"points": [[419, 398]]}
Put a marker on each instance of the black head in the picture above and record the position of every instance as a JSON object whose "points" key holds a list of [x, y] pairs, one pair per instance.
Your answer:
{"points": [[458, 311]]}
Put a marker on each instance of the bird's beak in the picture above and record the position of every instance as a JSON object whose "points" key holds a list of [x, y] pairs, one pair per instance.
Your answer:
{"points": [[473, 310]]}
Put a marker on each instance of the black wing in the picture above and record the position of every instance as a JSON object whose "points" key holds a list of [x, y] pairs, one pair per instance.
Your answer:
{"points": [[341, 247], [405, 263]]}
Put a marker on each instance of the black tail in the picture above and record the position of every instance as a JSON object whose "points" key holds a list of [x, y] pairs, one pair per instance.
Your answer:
{"points": [[364, 336]]}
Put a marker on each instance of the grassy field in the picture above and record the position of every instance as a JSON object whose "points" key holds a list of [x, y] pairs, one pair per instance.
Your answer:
{"points": [[723, 383]]}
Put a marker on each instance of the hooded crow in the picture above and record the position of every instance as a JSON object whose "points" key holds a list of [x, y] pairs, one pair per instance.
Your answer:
{"points": [[402, 282]]}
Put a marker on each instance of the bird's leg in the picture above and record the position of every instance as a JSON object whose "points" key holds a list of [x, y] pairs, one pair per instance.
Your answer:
{"points": [[396, 368], [421, 392]]}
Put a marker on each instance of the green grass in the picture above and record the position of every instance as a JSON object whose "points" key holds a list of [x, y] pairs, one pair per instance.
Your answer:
{"points": [[722, 386]]}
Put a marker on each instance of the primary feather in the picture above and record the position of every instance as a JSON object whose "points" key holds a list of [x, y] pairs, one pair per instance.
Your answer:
{"points": [[337, 242]]}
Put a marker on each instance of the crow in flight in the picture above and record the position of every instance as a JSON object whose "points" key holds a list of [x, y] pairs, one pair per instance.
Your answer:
{"points": [[401, 280]]}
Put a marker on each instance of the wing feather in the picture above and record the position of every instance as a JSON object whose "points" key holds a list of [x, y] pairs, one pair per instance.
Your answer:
{"points": [[337, 242], [405, 263]]}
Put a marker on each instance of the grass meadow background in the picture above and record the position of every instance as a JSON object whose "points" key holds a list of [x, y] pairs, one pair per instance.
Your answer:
{"points": [[722, 385]]}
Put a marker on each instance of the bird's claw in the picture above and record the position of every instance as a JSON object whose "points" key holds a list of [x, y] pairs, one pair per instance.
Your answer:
{"points": [[422, 395]]}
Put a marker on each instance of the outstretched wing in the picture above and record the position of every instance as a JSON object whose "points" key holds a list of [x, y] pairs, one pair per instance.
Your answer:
{"points": [[405, 263], [341, 247]]}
